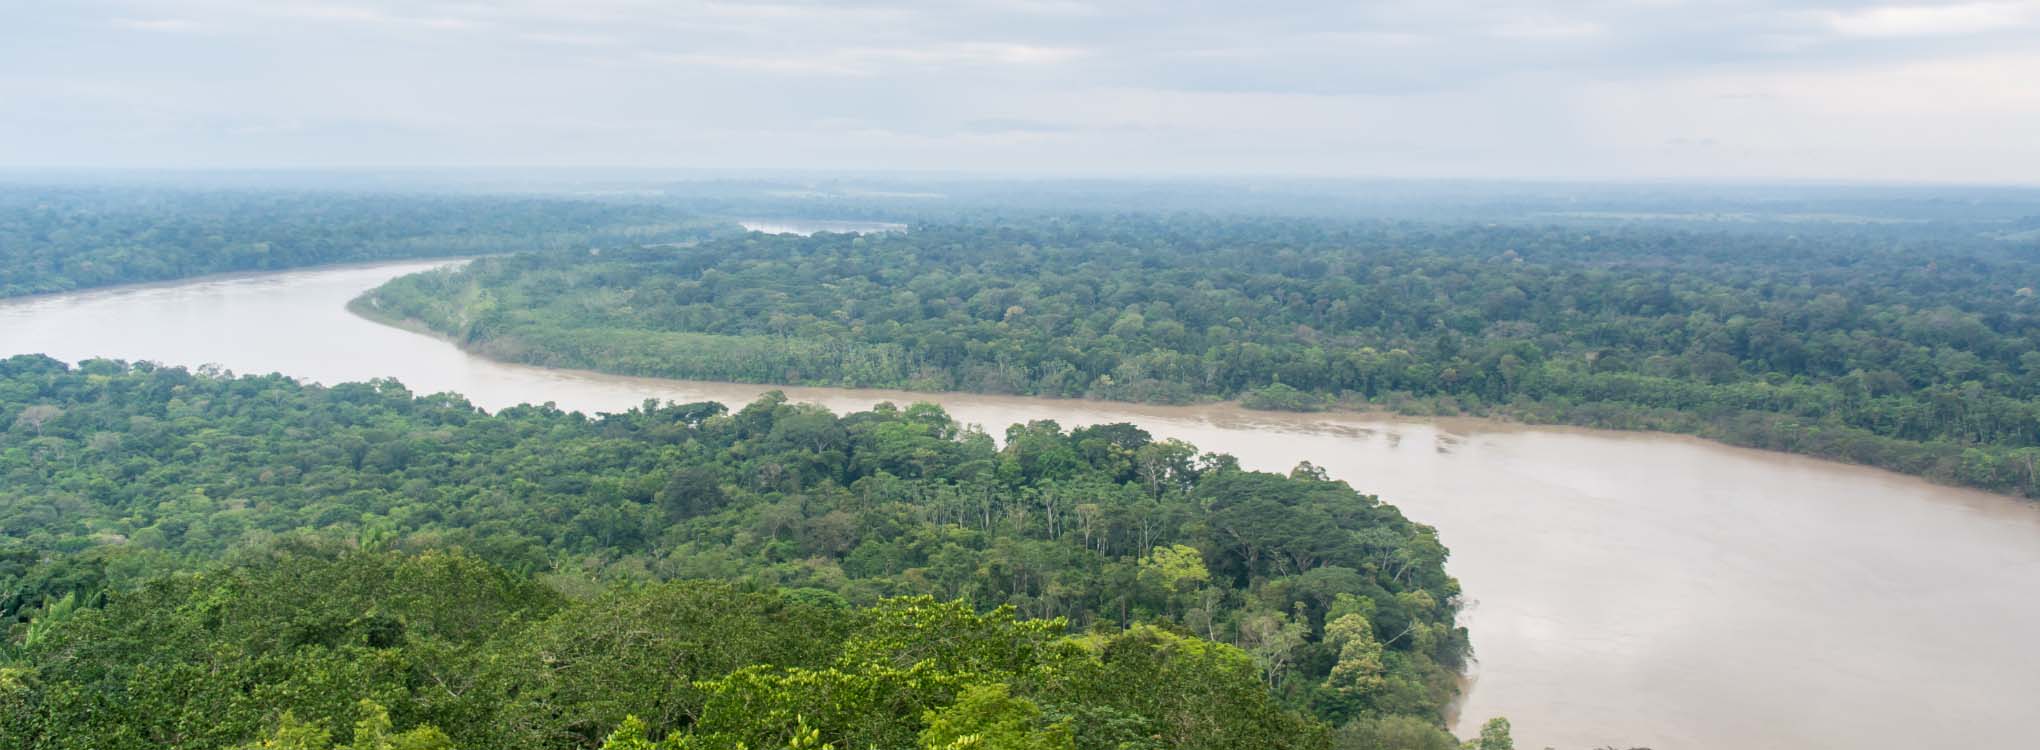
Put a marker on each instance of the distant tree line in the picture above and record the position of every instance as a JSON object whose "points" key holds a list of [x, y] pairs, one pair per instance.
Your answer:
{"points": [[62, 239], [1885, 346]]}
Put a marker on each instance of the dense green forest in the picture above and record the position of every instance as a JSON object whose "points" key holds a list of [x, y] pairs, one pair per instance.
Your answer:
{"points": [[60, 239], [202, 561], [1895, 346]]}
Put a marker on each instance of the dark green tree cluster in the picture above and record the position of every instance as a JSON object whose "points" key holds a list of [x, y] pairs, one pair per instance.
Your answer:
{"points": [[1324, 600], [60, 239], [310, 648], [1860, 343]]}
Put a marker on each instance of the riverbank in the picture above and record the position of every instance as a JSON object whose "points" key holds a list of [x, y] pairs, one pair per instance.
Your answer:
{"points": [[1605, 573], [1722, 337], [228, 277], [1940, 464], [1939, 471]]}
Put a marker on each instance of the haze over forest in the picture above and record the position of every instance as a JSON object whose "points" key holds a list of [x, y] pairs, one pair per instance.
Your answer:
{"points": [[1018, 374], [1917, 91]]}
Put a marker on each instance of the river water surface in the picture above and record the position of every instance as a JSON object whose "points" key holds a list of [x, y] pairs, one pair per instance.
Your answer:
{"points": [[1625, 589], [805, 227]]}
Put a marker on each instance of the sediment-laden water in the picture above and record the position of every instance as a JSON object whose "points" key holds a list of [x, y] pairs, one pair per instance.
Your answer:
{"points": [[1624, 588]]}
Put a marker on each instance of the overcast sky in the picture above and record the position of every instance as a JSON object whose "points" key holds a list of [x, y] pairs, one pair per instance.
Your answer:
{"points": [[1803, 89]]}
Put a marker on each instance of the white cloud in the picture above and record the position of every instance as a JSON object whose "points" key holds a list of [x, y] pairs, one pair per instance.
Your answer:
{"points": [[1548, 29], [1957, 119], [872, 61], [368, 15], [1934, 20], [1623, 88], [787, 65], [1037, 7], [977, 53], [161, 25], [570, 39]]}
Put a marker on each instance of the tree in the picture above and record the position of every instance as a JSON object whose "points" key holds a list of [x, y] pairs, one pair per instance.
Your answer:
{"points": [[34, 417], [374, 732], [1272, 638], [1358, 672], [988, 717], [1165, 465], [1736, 336], [1394, 732], [630, 735], [1178, 567], [1494, 735], [275, 562], [691, 492], [292, 734]]}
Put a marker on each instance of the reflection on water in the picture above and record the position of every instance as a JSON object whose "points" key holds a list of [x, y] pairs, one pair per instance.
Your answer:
{"points": [[805, 227], [1624, 588]]}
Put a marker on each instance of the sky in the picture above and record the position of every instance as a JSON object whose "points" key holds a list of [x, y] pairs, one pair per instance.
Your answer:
{"points": [[1821, 90]]}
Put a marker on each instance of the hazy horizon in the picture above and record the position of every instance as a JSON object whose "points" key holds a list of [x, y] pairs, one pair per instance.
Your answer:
{"points": [[1807, 91], [686, 174]]}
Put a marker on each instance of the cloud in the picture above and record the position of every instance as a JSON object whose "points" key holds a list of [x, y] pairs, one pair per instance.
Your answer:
{"points": [[1933, 20], [872, 61], [569, 39], [368, 15], [160, 25], [1418, 87], [824, 65], [1548, 29], [1038, 7], [1937, 120], [1016, 124], [978, 53]]}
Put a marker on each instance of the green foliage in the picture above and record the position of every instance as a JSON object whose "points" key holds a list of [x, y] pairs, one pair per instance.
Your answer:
{"points": [[1865, 344], [988, 717], [1280, 397], [630, 734], [1177, 567], [1183, 682], [205, 660], [1393, 733], [1358, 672], [596, 653], [187, 558], [56, 239], [375, 732], [1494, 735], [372, 732], [291, 734], [909, 657]]}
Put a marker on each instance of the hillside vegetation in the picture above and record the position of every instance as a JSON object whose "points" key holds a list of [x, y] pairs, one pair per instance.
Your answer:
{"points": [[200, 561]]}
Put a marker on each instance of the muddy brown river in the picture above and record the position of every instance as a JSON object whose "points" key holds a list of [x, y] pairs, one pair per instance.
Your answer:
{"points": [[1623, 588]]}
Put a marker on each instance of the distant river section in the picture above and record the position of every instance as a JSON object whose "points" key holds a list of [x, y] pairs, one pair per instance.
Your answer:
{"points": [[806, 227]]}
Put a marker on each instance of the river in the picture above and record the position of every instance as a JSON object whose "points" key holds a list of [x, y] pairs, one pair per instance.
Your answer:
{"points": [[805, 227], [1624, 588]]}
